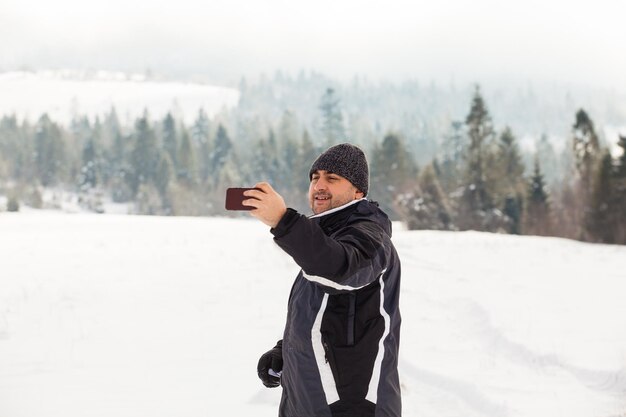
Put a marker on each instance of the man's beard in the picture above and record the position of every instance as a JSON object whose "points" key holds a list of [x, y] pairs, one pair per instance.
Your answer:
{"points": [[329, 201]]}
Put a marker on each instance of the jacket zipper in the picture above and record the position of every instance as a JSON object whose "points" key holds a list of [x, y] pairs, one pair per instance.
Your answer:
{"points": [[330, 361], [326, 350]]}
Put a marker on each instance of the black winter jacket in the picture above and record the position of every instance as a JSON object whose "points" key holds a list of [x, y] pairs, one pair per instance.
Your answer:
{"points": [[341, 339]]}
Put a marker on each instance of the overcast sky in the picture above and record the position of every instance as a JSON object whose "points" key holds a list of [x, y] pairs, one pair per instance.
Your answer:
{"points": [[571, 41]]}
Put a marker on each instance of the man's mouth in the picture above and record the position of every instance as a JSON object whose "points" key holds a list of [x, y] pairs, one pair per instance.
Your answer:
{"points": [[322, 197]]}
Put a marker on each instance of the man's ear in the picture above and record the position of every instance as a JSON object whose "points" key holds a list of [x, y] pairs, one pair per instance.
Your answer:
{"points": [[358, 195]]}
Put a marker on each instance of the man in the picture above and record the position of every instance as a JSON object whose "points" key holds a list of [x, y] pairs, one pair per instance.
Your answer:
{"points": [[339, 352]]}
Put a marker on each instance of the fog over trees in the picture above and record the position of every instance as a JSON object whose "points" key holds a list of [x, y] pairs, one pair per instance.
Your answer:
{"points": [[445, 158]]}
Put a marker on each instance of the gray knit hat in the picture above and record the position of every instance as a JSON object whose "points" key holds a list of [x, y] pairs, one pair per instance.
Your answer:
{"points": [[346, 160]]}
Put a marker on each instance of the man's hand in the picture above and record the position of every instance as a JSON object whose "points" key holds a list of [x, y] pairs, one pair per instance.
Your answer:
{"points": [[269, 206], [273, 360]]}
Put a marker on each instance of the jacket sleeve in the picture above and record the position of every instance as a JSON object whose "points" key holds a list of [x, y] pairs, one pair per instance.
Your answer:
{"points": [[354, 257]]}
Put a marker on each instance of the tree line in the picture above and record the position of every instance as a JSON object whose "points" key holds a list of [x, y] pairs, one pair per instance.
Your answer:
{"points": [[477, 181]]}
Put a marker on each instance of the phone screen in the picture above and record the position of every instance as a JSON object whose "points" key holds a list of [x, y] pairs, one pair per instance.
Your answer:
{"points": [[235, 197]]}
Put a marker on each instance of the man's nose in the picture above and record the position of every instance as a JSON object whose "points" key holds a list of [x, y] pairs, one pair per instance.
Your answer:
{"points": [[321, 184]]}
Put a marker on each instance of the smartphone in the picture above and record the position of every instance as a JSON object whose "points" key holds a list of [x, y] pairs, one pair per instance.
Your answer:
{"points": [[235, 197]]}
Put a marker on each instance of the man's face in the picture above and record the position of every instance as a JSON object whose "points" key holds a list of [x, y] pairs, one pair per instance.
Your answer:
{"points": [[329, 190]]}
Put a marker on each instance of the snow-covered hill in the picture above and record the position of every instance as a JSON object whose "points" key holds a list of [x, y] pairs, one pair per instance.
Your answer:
{"points": [[145, 316], [64, 94]]}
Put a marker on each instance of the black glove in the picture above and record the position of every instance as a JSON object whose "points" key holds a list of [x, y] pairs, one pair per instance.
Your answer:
{"points": [[272, 359]]}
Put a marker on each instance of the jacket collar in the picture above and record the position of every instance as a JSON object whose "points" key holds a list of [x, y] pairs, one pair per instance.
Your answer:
{"points": [[334, 219], [336, 209]]}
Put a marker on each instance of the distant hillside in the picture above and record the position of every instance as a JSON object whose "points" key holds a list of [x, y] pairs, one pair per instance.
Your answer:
{"points": [[421, 112], [64, 94]]}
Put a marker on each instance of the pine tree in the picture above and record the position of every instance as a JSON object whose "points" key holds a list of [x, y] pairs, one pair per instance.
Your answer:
{"points": [[537, 220], [619, 191], [274, 167], [586, 146], [621, 161], [220, 154], [289, 171], [426, 207], [89, 171], [548, 160], [111, 128], [393, 171], [512, 168], [287, 147], [452, 158], [200, 132], [513, 209], [508, 182], [537, 189], [265, 163], [586, 150], [144, 156], [332, 119], [121, 170], [117, 145], [289, 127], [228, 176], [304, 159], [170, 139], [187, 166], [50, 152], [164, 176], [600, 223], [476, 201], [16, 150], [92, 170]]}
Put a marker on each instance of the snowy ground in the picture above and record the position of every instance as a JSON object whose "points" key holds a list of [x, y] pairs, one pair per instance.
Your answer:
{"points": [[110, 315]]}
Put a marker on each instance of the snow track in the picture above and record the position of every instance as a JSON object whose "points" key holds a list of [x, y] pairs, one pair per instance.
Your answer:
{"points": [[104, 315]]}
